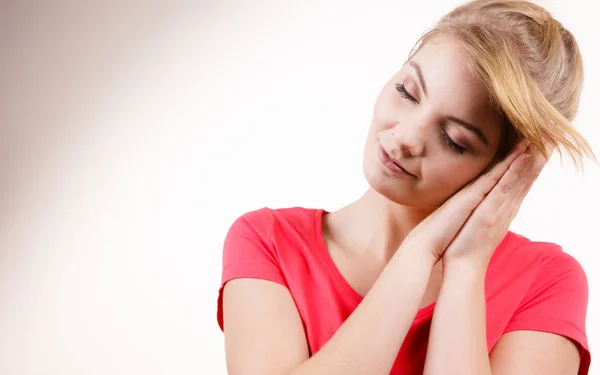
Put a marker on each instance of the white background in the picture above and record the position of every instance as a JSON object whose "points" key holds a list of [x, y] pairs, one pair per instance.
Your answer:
{"points": [[132, 134]]}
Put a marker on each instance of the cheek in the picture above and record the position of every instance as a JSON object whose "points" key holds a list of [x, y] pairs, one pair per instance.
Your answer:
{"points": [[450, 176], [387, 109]]}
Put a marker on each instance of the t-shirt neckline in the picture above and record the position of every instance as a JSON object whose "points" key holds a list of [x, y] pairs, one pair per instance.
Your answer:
{"points": [[335, 273]]}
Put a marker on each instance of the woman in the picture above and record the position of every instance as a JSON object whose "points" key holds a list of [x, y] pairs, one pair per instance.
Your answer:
{"points": [[420, 274]]}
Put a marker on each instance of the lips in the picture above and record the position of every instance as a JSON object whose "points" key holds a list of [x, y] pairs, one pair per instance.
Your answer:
{"points": [[399, 166], [392, 164]]}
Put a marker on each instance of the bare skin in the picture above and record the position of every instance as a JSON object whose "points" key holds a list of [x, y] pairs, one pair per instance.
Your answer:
{"points": [[408, 241]]}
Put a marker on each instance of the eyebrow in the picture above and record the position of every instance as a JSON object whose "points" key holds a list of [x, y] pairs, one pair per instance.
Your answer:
{"points": [[471, 127]]}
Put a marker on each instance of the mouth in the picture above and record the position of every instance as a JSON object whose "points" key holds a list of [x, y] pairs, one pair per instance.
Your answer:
{"points": [[392, 164]]}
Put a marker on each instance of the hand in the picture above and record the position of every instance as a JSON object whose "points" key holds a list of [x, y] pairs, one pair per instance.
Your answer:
{"points": [[438, 230], [489, 222]]}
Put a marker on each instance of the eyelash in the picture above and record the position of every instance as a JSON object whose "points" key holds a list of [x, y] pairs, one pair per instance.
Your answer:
{"points": [[456, 148]]}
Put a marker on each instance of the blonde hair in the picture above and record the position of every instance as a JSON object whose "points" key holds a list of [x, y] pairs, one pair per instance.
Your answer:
{"points": [[531, 67]]}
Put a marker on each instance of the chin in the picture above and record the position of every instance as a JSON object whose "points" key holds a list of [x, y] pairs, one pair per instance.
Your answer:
{"points": [[401, 191], [388, 187]]}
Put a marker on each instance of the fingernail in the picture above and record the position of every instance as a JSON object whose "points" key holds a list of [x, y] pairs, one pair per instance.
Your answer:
{"points": [[521, 146]]}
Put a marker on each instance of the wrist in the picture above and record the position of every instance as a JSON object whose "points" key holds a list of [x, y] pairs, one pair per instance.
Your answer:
{"points": [[465, 266], [416, 255]]}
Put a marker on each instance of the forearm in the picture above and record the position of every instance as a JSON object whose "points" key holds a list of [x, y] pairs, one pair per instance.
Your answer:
{"points": [[369, 340], [457, 339]]}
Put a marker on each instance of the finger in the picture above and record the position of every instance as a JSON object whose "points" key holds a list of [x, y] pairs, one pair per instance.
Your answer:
{"points": [[456, 210], [485, 183], [549, 147], [529, 175], [510, 186], [448, 220], [532, 172]]}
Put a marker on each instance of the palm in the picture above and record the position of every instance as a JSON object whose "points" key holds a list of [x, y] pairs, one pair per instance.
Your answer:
{"points": [[488, 224]]}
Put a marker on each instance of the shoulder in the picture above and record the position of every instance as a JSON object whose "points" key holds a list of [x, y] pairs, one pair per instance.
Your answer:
{"points": [[265, 221], [553, 290], [553, 287], [539, 278], [262, 244], [547, 259]]}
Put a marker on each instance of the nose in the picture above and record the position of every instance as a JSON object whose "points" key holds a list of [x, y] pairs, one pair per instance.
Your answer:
{"points": [[410, 138]]}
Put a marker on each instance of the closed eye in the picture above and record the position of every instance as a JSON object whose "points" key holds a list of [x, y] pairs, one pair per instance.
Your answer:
{"points": [[402, 90], [453, 145]]}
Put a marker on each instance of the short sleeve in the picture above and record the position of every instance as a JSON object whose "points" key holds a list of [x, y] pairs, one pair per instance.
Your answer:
{"points": [[248, 252], [557, 303]]}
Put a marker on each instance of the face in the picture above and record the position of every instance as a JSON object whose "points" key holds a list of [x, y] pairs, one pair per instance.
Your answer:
{"points": [[432, 119]]}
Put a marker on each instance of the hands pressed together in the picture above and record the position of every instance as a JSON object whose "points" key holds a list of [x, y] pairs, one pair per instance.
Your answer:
{"points": [[472, 223]]}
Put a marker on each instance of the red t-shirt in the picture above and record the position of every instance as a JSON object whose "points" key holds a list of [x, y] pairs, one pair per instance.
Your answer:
{"points": [[528, 286]]}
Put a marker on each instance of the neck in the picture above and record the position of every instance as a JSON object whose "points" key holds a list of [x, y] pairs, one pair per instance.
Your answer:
{"points": [[373, 224]]}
